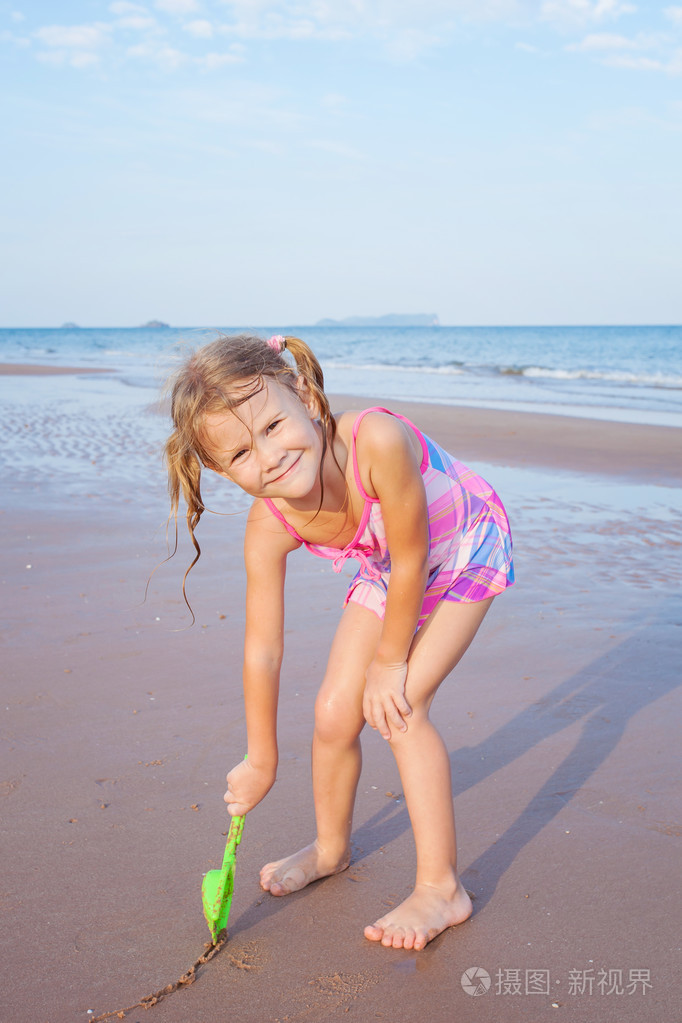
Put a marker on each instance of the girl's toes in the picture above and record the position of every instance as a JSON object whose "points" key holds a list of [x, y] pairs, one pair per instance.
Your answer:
{"points": [[406, 938], [393, 938]]}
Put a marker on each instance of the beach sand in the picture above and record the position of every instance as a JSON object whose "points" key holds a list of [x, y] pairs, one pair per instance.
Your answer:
{"points": [[25, 369], [562, 721]]}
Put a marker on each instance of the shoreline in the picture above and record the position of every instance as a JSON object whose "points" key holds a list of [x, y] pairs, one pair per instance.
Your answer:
{"points": [[642, 453], [634, 452]]}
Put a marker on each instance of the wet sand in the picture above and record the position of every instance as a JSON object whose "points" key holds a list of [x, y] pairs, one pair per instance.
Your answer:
{"points": [[119, 724], [21, 369]]}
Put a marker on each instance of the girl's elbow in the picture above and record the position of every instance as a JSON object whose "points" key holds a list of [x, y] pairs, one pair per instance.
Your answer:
{"points": [[415, 564], [263, 660]]}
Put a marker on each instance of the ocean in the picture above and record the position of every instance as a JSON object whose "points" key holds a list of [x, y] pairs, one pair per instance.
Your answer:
{"points": [[84, 435], [627, 374]]}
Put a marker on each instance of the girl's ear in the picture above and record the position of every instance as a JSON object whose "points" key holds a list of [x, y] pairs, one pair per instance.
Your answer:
{"points": [[307, 398]]}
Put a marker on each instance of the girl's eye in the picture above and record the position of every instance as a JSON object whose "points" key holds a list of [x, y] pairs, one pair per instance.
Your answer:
{"points": [[273, 425], [239, 454]]}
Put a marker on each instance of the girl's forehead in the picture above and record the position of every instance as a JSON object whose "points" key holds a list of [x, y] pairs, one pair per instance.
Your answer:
{"points": [[242, 418]]}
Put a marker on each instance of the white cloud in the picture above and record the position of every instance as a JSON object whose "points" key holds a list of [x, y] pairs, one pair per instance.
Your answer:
{"points": [[165, 57], [674, 14], [569, 13], [404, 28], [200, 29], [604, 41], [138, 22], [82, 37], [526, 47], [643, 52], [123, 7], [635, 63], [10, 37], [82, 59], [386, 12], [274, 25], [73, 58], [408, 44], [169, 59], [177, 6], [672, 66], [337, 149], [334, 100], [212, 61], [72, 45], [17, 16]]}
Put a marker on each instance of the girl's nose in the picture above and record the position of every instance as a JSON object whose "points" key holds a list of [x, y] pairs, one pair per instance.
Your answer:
{"points": [[272, 455]]}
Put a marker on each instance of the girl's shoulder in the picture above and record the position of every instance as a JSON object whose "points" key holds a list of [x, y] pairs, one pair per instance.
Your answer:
{"points": [[376, 436], [373, 422], [266, 534]]}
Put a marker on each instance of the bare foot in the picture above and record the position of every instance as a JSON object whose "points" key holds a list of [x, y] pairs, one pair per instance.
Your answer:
{"points": [[423, 915], [282, 877]]}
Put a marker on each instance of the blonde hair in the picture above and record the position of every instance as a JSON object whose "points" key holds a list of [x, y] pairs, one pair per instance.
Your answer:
{"points": [[220, 377]]}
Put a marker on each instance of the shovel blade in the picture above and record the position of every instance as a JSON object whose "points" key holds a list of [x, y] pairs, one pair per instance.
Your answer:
{"points": [[216, 893], [218, 885]]}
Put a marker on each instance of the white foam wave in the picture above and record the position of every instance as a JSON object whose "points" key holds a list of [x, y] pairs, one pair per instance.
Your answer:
{"points": [[391, 367], [613, 376]]}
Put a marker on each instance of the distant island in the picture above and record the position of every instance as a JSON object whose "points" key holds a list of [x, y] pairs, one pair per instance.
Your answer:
{"points": [[156, 324], [69, 326], [389, 320]]}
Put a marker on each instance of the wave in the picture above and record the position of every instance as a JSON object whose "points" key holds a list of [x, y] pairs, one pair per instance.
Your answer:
{"points": [[453, 368], [657, 380], [612, 376]]}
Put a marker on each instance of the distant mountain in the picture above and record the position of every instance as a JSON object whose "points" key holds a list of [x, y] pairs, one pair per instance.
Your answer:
{"points": [[389, 320], [156, 324]]}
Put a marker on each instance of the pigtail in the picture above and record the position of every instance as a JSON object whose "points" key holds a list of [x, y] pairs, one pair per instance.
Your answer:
{"points": [[184, 477], [311, 371]]}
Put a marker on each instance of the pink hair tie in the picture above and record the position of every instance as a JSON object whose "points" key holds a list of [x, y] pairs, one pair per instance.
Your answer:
{"points": [[277, 343]]}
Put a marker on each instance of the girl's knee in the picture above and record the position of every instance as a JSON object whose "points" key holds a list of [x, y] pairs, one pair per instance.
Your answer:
{"points": [[336, 721]]}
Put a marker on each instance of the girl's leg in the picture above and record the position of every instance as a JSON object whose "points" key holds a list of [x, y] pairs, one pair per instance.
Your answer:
{"points": [[439, 899], [337, 757]]}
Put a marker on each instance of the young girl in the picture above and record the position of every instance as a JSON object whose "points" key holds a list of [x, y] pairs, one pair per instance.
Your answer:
{"points": [[433, 545]]}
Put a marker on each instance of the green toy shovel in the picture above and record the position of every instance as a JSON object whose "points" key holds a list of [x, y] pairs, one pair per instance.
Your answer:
{"points": [[218, 885]]}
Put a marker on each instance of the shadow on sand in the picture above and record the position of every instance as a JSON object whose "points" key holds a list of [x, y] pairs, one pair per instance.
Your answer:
{"points": [[605, 695]]}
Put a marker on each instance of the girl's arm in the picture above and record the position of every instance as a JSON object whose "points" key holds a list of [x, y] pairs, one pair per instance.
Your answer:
{"points": [[266, 546], [390, 470]]}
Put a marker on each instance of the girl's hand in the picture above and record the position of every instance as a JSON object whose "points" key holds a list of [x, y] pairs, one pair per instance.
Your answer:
{"points": [[246, 786], [384, 704]]}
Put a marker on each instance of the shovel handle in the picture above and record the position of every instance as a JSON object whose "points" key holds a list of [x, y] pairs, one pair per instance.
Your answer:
{"points": [[234, 837]]}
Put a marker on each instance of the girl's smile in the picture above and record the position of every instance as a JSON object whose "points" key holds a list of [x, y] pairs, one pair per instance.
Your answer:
{"points": [[270, 446]]}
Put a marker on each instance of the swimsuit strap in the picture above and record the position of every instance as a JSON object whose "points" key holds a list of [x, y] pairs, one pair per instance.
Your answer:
{"points": [[356, 469], [277, 513], [396, 415]]}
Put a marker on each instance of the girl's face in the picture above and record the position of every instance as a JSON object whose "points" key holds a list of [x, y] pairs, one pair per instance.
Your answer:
{"points": [[272, 446]]}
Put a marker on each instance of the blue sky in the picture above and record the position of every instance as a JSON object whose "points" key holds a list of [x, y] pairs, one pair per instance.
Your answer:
{"points": [[211, 162]]}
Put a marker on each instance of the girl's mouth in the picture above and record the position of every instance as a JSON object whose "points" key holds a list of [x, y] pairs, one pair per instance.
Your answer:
{"points": [[287, 471]]}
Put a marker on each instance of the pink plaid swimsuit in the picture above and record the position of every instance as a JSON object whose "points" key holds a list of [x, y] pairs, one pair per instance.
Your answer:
{"points": [[470, 547]]}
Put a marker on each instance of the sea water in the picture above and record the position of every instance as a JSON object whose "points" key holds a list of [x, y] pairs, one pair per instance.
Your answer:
{"points": [[100, 435], [627, 374]]}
